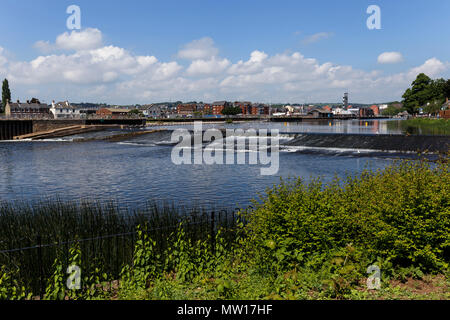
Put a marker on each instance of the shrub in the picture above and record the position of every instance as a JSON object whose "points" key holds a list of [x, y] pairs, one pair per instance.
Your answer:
{"points": [[401, 214]]}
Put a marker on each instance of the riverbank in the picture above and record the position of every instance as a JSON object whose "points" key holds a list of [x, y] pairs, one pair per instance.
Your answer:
{"points": [[299, 241], [424, 126]]}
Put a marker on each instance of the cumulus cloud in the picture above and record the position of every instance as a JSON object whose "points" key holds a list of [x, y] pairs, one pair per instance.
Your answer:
{"points": [[390, 57], [205, 67], [432, 67], [108, 73], [317, 37], [90, 38], [199, 49], [97, 66]]}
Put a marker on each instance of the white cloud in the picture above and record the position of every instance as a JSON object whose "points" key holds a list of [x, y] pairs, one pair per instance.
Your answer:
{"points": [[116, 75], [44, 46], [102, 65], [317, 37], [254, 64], [199, 49], [390, 57], [432, 68], [205, 67], [86, 39]]}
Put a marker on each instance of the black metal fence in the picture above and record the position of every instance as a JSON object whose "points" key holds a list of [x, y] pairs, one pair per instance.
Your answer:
{"points": [[108, 253]]}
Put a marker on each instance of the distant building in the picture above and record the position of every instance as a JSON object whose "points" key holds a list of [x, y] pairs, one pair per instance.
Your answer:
{"points": [[218, 106], [345, 101], [186, 109], [27, 110], [403, 114], [445, 110], [245, 106], [155, 111], [446, 105], [327, 108], [64, 110], [366, 112], [113, 112], [375, 109], [353, 111], [207, 109], [320, 113]]}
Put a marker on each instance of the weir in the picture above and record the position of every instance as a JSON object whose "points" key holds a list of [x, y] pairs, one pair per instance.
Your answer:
{"points": [[381, 142], [377, 142]]}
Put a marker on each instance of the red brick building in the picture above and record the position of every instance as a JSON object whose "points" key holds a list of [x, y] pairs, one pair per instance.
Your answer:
{"points": [[218, 106], [244, 106], [366, 112], [375, 109], [113, 113], [186, 109]]}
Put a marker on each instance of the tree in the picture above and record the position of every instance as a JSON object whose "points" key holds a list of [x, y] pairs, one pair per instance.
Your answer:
{"points": [[447, 89], [6, 94], [409, 103], [419, 93], [231, 111], [136, 112], [392, 110]]}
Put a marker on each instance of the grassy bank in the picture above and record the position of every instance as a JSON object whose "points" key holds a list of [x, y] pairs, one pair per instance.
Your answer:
{"points": [[423, 126], [300, 241]]}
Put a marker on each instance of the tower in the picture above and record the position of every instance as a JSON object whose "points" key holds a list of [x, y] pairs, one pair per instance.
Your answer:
{"points": [[345, 101]]}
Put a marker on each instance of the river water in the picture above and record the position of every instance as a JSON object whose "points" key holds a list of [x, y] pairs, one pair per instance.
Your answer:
{"points": [[138, 170]]}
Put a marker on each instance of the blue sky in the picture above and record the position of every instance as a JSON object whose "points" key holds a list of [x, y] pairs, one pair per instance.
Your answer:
{"points": [[416, 30]]}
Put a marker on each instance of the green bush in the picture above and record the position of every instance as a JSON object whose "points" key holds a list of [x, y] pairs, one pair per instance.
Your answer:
{"points": [[400, 214]]}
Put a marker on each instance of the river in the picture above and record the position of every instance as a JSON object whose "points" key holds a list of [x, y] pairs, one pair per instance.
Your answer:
{"points": [[138, 170]]}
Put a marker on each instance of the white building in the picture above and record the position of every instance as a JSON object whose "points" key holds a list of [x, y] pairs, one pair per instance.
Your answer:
{"points": [[342, 111], [63, 110], [354, 111]]}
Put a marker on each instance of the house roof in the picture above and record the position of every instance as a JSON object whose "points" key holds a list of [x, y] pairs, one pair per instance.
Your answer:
{"points": [[28, 105], [64, 104], [319, 110], [118, 110], [219, 103]]}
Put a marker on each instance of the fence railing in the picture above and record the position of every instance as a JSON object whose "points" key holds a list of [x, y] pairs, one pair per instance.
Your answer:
{"points": [[108, 253]]}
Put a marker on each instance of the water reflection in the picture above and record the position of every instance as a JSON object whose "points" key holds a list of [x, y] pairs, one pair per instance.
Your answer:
{"points": [[311, 126]]}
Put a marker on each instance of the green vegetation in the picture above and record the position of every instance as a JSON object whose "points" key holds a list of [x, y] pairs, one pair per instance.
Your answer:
{"points": [[231, 111], [300, 241], [393, 109], [427, 94], [6, 95], [136, 112], [422, 126]]}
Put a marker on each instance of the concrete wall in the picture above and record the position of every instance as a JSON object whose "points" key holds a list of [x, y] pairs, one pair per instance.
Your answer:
{"points": [[45, 125], [11, 128]]}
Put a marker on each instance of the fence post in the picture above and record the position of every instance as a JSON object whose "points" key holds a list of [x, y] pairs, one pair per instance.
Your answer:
{"points": [[41, 270], [213, 236]]}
